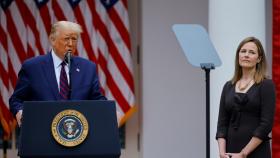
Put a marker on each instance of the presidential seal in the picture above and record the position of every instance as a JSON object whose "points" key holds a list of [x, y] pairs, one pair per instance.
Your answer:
{"points": [[69, 128]]}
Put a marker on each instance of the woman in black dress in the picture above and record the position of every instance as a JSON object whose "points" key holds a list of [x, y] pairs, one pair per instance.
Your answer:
{"points": [[247, 106]]}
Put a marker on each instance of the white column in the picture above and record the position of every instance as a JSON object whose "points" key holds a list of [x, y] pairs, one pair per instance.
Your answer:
{"points": [[229, 23], [172, 91]]}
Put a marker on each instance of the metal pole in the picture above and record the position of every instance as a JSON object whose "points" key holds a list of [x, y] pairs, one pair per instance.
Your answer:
{"points": [[207, 73], [207, 67]]}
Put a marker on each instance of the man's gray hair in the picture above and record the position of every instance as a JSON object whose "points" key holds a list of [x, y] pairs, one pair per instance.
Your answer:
{"points": [[65, 25]]}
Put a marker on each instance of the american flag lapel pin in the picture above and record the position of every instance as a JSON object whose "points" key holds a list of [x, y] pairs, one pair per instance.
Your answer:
{"points": [[78, 70]]}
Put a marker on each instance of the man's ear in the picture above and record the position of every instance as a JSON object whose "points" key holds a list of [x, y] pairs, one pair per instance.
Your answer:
{"points": [[52, 39]]}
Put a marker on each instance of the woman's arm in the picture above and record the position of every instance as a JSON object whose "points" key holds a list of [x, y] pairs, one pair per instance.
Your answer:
{"points": [[251, 146], [222, 125], [222, 147]]}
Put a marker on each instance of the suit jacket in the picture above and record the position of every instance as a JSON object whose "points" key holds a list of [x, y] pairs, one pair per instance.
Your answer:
{"points": [[37, 82]]}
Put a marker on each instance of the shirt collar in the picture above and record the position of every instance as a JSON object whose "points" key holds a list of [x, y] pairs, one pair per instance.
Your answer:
{"points": [[56, 60]]}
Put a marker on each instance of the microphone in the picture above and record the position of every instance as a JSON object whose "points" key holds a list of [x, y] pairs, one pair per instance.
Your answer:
{"points": [[67, 59]]}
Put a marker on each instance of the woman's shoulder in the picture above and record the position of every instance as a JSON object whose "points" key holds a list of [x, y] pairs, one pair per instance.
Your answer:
{"points": [[228, 85], [267, 83]]}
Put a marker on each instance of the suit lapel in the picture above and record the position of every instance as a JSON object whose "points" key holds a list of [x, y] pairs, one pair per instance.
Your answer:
{"points": [[48, 69], [74, 70]]}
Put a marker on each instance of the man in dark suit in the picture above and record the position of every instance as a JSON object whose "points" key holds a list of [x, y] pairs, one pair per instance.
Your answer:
{"points": [[48, 77]]}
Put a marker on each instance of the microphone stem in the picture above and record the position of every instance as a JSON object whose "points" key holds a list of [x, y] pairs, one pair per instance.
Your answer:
{"points": [[68, 60]]}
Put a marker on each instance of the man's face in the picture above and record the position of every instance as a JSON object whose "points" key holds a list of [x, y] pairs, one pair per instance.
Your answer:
{"points": [[65, 40]]}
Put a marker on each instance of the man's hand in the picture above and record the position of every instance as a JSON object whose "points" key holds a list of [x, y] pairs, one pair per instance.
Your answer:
{"points": [[118, 117], [18, 117]]}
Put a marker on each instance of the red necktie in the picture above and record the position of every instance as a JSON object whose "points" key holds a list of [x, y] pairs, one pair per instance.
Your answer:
{"points": [[64, 88]]}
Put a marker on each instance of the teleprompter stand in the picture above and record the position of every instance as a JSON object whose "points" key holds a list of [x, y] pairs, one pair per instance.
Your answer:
{"points": [[200, 52]]}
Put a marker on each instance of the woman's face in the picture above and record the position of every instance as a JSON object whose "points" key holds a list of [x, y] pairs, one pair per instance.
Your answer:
{"points": [[249, 55]]}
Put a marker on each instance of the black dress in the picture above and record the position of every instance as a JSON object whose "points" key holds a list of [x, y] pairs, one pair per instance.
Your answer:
{"points": [[244, 115]]}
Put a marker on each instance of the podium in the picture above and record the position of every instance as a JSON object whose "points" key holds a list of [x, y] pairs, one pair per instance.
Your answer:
{"points": [[42, 119]]}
